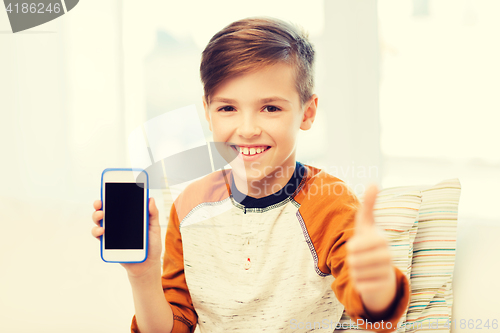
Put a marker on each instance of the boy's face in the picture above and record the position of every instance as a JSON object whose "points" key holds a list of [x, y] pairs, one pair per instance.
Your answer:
{"points": [[259, 111]]}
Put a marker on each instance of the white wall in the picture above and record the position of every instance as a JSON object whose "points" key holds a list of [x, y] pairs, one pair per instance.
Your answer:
{"points": [[61, 124], [351, 89]]}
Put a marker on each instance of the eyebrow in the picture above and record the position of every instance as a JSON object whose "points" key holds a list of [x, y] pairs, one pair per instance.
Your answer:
{"points": [[263, 100]]}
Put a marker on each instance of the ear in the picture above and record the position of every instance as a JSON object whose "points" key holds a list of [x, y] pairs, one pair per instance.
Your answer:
{"points": [[207, 114], [309, 113]]}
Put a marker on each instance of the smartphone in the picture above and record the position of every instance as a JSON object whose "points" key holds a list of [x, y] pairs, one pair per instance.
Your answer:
{"points": [[125, 203]]}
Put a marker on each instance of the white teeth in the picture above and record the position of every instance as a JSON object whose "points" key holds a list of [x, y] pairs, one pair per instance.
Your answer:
{"points": [[250, 151]]}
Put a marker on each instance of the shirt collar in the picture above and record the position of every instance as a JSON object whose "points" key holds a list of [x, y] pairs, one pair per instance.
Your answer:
{"points": [[282, 194]]}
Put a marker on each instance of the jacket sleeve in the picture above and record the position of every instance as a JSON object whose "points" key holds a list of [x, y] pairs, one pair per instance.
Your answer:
{"points": [[174, 282], [343, 221]]}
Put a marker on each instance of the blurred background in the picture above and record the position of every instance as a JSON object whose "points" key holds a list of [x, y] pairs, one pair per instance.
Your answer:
{"points": [[408, 95]]}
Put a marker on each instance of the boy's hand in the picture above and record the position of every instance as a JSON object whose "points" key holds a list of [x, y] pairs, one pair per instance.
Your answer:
{"points": [[153, 261], [370, 261]]}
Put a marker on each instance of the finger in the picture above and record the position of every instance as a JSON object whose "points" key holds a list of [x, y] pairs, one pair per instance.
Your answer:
{"points": [[371, 273], [370, 286], [368, 259], [97, 204], [364, 216], [97, 231], [97, 217], [153, 213], [364, 242]]}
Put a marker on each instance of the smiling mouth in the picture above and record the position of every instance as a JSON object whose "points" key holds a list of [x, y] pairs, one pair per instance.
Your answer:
{"points": [[250, 151]]}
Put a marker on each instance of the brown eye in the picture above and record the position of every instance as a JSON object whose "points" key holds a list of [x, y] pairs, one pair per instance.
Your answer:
{"points": [[271, 108], [226, 108]]}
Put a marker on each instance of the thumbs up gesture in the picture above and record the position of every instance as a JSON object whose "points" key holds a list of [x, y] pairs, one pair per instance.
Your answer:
{"points": [[369, 261]]}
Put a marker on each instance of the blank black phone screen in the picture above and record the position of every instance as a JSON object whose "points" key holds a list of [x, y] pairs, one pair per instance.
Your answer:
{"points": [[124, 216]]}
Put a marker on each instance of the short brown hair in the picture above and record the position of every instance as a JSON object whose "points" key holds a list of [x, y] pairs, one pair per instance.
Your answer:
{"points": [[255, 42]]}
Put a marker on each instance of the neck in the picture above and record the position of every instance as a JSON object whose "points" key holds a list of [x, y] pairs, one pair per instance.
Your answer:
{"points": [[269, 184]]}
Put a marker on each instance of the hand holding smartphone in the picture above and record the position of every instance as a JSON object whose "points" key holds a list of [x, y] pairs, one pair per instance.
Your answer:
{"points": [[127, 221]]}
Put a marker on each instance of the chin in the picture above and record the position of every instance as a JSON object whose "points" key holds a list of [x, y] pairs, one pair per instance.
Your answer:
{"points": [[248, 172]]}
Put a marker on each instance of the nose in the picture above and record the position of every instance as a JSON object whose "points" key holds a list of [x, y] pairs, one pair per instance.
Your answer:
{"points": [[249, 126]]}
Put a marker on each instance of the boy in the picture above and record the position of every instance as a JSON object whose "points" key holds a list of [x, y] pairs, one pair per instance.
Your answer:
{"points": [[271, 244]]}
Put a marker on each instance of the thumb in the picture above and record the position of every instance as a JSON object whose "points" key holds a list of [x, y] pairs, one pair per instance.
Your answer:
{"points": [[153, 213], [364, 216]]}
